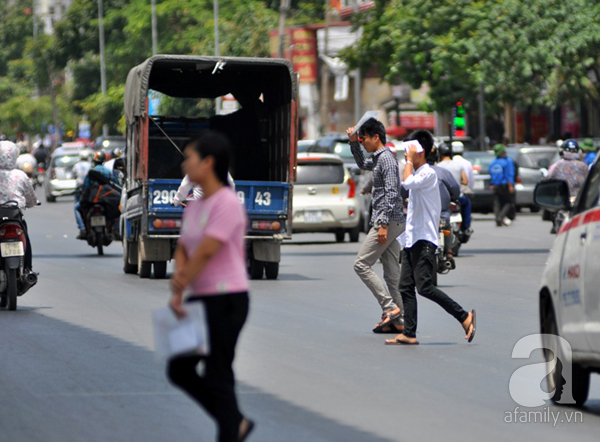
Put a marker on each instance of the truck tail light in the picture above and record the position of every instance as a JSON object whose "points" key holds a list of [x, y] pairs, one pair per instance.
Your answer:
{"points": [[351, 211], [352, 190], [266, 225], [166, 223]]}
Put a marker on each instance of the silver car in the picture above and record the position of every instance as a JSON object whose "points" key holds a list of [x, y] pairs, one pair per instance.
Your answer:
{"points": [[325, 197], [532, 163], [60, 179]]}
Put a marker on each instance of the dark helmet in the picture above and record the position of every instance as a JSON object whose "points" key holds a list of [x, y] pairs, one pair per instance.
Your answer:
{"points": [[570, 146], [99, 157], [444, 150]]}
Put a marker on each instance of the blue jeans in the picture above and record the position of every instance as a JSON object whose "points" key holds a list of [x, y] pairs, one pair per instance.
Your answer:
{"points": [[78, 215], [465, 210]]}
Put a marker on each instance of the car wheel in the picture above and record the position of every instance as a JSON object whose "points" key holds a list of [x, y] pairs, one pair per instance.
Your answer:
{"points": [[50, 199], [580, 377], [535, 209], [354, 234], [339, 236]]}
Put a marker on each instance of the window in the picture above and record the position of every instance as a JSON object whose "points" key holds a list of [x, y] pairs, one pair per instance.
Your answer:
{"points": [[321, 173], [65, 161], [591, 190]]}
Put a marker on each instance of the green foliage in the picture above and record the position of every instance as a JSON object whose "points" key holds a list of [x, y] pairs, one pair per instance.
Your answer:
{"points": [[31, 115], [102, 109], [538, 52]]}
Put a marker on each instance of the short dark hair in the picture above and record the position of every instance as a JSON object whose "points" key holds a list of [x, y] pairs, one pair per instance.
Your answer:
{"points": [[216, 145], [373, 127], [424, 138]]}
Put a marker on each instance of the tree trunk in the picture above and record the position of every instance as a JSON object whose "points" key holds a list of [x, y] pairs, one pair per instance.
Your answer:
{"points": [[56, 123]]}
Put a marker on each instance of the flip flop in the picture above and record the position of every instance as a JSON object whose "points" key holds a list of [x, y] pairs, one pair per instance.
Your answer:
{"points": [[474, 324], [391, 326], [249, 429], [397, 341]]}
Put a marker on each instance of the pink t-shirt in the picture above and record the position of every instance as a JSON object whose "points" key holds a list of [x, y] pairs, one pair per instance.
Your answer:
{"points": [[220, 217]]}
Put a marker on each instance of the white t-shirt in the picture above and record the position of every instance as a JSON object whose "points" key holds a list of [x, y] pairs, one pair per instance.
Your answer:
{"points": [[424, 207], [467, 167]]}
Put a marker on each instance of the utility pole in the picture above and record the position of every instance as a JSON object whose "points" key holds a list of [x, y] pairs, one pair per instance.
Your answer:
{"points": [[154, 31], [325, 77], [218, 101], [102, 60], [357, 81], [283, 11], [481, 117]]}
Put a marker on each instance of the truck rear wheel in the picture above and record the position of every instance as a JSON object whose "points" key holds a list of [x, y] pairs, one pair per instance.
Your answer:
{"points": [[255, 268], [129, 269], [160, 269], [271, 270], [145, 269]]}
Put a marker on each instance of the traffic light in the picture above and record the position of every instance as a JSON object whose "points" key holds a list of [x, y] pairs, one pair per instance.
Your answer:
{"points": [[459, 120]]}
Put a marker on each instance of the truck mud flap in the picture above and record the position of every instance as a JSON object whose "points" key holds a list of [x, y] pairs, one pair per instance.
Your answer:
{"points": [[265, 250], [154, 249]]}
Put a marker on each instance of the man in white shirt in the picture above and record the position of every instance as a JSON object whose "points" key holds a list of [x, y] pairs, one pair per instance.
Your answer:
{"points": [[420, 241], [458, 148]]}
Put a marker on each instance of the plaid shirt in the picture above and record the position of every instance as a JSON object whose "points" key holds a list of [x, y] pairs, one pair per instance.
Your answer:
{"points": [[387, 202]]}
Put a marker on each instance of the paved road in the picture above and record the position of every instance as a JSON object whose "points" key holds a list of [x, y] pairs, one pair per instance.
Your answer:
{"points": [[76, 361]]}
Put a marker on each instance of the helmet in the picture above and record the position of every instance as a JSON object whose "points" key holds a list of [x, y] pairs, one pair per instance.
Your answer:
{"points": [[86, 155], [444, 150], [570, 146], [458, 147], [99, 157]]}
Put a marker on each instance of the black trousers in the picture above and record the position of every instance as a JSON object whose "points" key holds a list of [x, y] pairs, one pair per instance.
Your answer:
{"points": [[28, 261], [418, 265], [215, 390], [504, 203]]}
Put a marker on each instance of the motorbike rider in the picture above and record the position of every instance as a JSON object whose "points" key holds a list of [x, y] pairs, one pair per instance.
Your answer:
{"points": [[458, 148], [16, 186], [98, 160], [590, 151], [40, 154], [80, 170], [26, 162], [569, 168]]}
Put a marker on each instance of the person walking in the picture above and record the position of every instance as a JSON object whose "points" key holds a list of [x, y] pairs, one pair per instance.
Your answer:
{"points": [[387, 223], [502, 173], [589, 150], [210, 263], [420, 241]]}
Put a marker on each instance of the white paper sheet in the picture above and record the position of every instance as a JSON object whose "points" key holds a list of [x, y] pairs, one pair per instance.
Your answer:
{"points": [[405, 145], [364, 118]]}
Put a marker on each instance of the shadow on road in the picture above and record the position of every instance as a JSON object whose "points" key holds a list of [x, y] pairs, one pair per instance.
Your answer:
{"points": [[96, 387], [503, 252]]}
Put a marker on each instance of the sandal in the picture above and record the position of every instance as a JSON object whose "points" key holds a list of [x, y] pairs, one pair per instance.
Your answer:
{"points": [[472, 327], [387, 324]]}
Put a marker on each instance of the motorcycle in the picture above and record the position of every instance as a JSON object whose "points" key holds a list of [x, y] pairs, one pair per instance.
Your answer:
{"points": [[559, 217], [38, 178], [460, 236], [443, 263], [99, 228], [14, 281]]}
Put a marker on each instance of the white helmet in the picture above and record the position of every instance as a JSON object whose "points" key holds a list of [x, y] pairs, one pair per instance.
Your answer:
{"points": [[458, 148], [86, 155]]}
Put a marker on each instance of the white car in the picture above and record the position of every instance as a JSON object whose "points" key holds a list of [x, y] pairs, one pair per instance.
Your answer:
{"points": [[569, 294], [325, 197]]}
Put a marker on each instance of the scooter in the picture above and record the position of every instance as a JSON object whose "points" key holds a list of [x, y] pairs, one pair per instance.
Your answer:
{"points": [[99, 228], [443, 263], [559, 217], [14, 281], [460, 235]]}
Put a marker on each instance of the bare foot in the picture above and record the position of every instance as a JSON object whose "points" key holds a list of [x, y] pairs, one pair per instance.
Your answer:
{"points": [[246, 427], [402, 340]]}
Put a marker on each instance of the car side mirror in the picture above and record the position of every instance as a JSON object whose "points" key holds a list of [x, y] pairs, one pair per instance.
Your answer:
{"points": [[552, 195]]}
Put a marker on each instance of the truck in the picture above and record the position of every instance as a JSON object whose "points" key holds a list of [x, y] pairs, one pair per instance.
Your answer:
{"points": [[263, 134]]}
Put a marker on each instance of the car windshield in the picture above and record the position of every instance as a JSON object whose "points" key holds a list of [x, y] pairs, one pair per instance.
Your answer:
{"points": [[65, 160], [537, 160], [480, 160], [320, 173], [303, 145], [343, 150]]}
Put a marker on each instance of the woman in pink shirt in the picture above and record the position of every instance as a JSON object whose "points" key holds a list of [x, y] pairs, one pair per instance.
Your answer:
{"points": [[210, 264]]}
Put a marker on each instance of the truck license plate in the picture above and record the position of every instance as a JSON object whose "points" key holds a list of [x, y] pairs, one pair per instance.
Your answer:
{"points": [[98, 221], [313, 217], [8, 249]]}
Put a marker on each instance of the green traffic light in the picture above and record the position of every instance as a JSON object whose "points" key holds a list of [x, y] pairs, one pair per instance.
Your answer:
{"points": [[459, 122]]}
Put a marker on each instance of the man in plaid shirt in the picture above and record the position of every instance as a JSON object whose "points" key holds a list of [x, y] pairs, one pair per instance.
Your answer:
{"points": [[387, 223]]}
